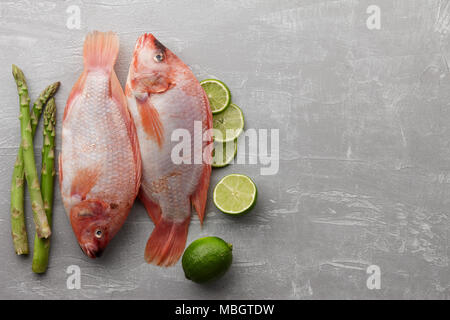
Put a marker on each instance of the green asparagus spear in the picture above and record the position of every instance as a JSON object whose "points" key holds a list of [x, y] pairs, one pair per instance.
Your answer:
{"points": [[43, 98], [42, 246], [18, 229], [37, 205]]}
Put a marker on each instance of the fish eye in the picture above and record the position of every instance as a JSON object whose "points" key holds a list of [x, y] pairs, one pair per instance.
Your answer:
{"points": [[159, 57], [98, 233]]}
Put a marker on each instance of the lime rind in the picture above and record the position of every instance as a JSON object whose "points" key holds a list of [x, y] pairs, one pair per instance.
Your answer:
{"points": [[216, 104], [207, 259], [222, 160], [230, 119], [224, 186]]}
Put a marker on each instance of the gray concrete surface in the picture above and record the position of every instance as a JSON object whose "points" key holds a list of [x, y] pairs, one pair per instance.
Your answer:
{"points": [[364, 120]]}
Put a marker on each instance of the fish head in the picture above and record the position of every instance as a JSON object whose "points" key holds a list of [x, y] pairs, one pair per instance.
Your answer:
{"points": [[152, 66], [90, 222]]}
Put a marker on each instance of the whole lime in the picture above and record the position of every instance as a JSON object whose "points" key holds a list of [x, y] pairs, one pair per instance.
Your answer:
{"points": [[207, 259]]}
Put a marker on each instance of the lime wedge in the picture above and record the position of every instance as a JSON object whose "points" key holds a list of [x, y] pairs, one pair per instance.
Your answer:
{"points": [[223, 153], [228, 124], [218, 94], [235, 194]]}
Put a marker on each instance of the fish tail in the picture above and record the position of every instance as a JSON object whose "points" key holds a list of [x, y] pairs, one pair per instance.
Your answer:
{"points": [[100, 50], [167, 241]]}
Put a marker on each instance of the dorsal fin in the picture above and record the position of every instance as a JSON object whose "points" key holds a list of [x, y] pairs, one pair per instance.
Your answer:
{"points": [[119, 96]]}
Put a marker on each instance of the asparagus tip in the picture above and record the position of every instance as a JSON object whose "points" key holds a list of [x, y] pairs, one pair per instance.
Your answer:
{"points": [[16, 71], [50, 108]]}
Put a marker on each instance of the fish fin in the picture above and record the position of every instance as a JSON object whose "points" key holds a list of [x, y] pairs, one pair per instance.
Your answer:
{"points": [[136, 155], [200, 195], [60, 172], [127, 90], [167, 241], [118, 95], [153, 209], [85, 179], [76, 90], [208, 143], [208, 120], [100, 51], [151, 122], [198, 199]]}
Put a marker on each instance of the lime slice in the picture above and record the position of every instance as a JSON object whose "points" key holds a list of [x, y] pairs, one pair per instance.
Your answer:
{"points": [[207, 259], [235, 194], [218, 94], [223, 153], [229, 124]]}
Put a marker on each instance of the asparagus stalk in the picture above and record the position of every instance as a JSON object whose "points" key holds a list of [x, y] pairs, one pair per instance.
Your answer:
{"points": [[42, 246], [18, 229], [37, 205]]}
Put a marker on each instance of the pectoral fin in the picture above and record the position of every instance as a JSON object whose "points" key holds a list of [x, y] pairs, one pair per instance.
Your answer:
{"points": [[85, 179], [151, 122]]}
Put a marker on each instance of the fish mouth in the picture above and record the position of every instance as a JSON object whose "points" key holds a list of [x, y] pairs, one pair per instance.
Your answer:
{"points": [[91, 251]]}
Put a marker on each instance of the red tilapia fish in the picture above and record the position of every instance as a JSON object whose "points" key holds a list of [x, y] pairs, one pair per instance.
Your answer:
{"points": [[164, 96], [99, 165]]}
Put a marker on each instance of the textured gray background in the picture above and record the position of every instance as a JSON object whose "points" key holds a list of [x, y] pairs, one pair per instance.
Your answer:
{"points": [[364, 119]]}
